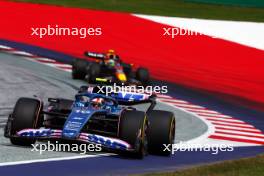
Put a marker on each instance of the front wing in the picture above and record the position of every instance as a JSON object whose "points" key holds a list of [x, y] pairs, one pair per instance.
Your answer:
{"points": [[106, 142]]}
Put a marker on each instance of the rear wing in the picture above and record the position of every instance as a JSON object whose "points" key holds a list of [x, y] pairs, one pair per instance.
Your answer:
{"points": [[95, 55]]}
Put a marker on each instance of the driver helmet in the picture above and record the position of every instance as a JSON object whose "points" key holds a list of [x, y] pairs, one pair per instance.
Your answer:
{"points": [[83, 100], [98, 102], [111, 62], [111, 52], [112, 55]]}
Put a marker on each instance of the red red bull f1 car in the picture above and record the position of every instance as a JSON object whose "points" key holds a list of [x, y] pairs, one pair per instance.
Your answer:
{"points": [[108, 68]]}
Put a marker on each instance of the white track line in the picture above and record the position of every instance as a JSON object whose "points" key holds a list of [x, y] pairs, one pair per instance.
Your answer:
{"points": [[45, 59], [240, 137], [5, 47], [235, 121], [207, 112], [164, 96], [236, 128], [233, 124], [245, 33], [238, 133], [52, 159], [57, 64], [173, 101], [214, 115], [23, 53], [65, 67], [195, 107]]}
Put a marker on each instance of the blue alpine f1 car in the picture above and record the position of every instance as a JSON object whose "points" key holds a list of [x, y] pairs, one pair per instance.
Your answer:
{"points": [[110, 121]]}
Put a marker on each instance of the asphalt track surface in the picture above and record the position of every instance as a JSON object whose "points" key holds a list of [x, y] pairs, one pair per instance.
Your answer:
{"points": [[23, 78]]}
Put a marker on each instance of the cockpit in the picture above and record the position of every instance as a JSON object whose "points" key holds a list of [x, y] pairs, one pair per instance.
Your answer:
{"points": [[94, 101]]}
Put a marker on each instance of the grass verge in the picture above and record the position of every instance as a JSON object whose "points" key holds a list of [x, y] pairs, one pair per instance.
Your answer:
{"points": [[177, 8], [244, 167]]}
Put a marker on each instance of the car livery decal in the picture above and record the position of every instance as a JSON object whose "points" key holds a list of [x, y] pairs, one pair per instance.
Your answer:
{"points": [[38, 133], [128, 96], [75, 122], [107, 142]]}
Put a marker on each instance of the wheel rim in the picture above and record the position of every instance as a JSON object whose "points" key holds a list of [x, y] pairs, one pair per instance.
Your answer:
{"points": [[144, 142], [145, 139], [172, 131]]}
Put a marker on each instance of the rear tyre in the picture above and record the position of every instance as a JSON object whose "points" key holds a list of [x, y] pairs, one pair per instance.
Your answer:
{"points": [[26, 114], [133, 130], [79, 67], [93, 72], [128, 70], [161, 131], [142, 75]]}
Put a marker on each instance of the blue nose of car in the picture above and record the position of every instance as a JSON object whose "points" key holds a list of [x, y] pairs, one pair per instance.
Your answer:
{"points": [[75, 122]]}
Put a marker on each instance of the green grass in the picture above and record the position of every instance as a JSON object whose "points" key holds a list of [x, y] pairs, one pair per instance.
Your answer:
{"points": [[177, 8], [243, 167]]}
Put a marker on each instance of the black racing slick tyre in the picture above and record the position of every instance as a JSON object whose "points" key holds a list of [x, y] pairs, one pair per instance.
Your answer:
{"points": [[128, 70], [93, 72], [142, 75], [79, 69], [26, 114], [161, 132], [133, 130]]}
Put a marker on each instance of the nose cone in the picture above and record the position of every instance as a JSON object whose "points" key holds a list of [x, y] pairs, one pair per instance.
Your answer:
{"points": [[75, 122], [71, 130]]}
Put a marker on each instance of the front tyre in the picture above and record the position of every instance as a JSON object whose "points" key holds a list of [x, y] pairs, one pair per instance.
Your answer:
{"points": [[79, 68], [93, 72], [133, 130], [26, 114], [161, 131], [128, 70]]}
